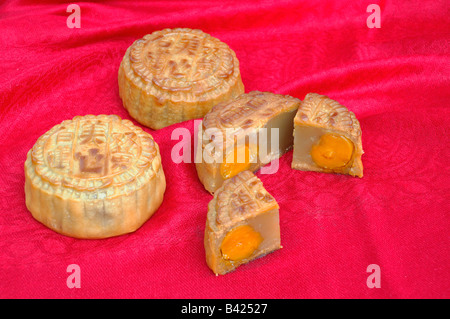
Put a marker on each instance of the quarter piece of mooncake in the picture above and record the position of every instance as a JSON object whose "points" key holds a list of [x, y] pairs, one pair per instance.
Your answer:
{"points": [[174, 75], [244, 134], [327, 137], [242, 224], [94, 177]]}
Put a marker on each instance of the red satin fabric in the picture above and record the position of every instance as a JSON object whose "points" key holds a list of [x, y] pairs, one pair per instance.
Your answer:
{"points": [[395, 79]]}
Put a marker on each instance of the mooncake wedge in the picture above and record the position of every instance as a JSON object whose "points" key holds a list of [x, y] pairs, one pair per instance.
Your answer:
{"points": [[174, 75], [327, 137], [94, 177], [244, 134], [242, 224]]}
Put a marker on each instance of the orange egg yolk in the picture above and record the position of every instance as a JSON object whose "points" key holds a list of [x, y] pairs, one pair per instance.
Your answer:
{"points": [[240, 243], [332, 151], [233, 165]]}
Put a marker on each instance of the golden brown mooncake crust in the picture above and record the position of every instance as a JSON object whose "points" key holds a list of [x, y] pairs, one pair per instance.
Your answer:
{"points": [[329, 116], [174, 75], [248, 113], [94, 177], [249, 110], [241, 200]]}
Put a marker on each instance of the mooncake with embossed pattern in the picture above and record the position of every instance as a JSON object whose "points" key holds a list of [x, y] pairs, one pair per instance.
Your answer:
{"points": [[174, 75], [257, 125], [242, 224], [94, 177], [327, 137]]}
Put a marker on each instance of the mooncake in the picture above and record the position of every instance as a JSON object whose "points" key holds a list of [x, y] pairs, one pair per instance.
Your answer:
{"points": [[242, 224], [226, 132], [94, 177], [174, 75], [327, 137]]}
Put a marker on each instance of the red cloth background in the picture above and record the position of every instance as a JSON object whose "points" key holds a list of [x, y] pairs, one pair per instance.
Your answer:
{"points": [[395, 79]]}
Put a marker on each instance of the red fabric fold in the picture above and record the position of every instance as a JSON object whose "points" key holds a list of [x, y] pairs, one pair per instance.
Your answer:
{"points": [[395, 79]]}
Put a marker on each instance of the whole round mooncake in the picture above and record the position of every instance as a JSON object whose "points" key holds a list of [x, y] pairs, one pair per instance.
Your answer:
{"points": [[174, 75], [94, 177]]}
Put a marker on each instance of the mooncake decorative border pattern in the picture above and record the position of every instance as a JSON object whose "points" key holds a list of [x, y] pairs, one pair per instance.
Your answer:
{"points": [[249, 191], [138, 72], [320, 110], [148, 164]]}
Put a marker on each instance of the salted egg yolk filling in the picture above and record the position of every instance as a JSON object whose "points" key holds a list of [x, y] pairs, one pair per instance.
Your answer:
{"points": [[240, 243], [332, 151], [233, 165]]}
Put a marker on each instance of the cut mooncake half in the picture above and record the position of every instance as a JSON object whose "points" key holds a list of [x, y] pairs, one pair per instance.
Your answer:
{"points": [[174, 75], [256, 125], [242, 224], [94, 177], [327, 137]]}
